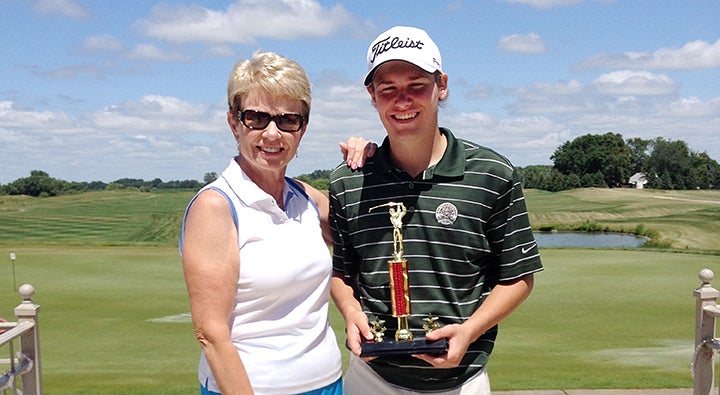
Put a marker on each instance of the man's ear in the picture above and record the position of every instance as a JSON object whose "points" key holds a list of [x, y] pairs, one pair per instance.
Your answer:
{"points": [[443, 87]]}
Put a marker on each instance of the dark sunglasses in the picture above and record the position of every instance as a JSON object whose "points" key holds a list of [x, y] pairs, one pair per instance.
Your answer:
{"points": [[260, 120]]}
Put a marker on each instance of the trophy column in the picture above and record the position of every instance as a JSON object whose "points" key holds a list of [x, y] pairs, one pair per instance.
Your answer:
{"points": [[400, 291], [400, 303]]}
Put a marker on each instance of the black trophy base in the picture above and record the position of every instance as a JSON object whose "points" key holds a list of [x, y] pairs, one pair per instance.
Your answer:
{"points": [[388, 348]]}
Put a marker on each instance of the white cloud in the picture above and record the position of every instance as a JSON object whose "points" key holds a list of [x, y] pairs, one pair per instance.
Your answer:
{"points": [[634, 83], [68, 8], [551, 98], [480, 91], [166, 137], [561, 88], [221, 50], [159, 114], [523, 43], [244, 21], [22, 119], [617, 89], [152, 137], [541, 116], [693, 55], [153, 53], [102, 43], [692, 107]]}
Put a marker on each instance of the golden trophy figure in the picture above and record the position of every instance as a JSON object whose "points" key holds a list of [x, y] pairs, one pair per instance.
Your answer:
{"points": [[400, 303]]}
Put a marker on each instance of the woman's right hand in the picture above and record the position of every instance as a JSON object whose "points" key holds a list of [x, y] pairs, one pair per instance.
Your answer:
{"points": [[356, 150]]}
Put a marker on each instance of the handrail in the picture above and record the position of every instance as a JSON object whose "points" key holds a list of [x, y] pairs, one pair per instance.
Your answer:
{"points": [[702, 366], [713, 311], [20, 328], [25, 365]]}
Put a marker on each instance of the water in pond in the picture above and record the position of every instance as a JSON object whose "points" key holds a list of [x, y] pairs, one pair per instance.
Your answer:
{"points": [[585, 239]]}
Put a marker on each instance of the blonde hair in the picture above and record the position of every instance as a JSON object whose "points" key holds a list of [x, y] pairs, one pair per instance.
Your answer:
{"points": [[270, 73]]}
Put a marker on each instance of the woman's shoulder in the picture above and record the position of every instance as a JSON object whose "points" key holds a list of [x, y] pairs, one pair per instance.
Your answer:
{"points": [[210, 199]]}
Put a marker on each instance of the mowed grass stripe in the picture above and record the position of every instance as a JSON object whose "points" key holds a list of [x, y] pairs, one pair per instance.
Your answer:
{"points": [[65, 228], [95, 218]]}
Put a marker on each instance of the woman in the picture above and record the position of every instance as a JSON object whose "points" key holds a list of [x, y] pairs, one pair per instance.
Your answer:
{"points": [[254, 248]]}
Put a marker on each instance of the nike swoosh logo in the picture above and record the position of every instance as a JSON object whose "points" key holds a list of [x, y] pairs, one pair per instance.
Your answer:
{"points": [[526, 250]]}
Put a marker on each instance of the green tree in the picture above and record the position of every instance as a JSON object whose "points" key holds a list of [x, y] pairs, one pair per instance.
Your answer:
{"points": [[130, 182], [535, 176], [318, 179], [209, 177], [669, 164], [639, 153], [41, 184], [705, 173], [556, 182], [606, 154], [38, 182], [594, 180]]}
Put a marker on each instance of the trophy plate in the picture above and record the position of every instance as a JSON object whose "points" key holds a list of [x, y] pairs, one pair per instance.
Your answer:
{"points": [[393, 348]]}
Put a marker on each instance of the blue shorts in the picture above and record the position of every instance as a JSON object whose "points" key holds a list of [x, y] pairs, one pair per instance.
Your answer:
{"points": [[332, 389]]}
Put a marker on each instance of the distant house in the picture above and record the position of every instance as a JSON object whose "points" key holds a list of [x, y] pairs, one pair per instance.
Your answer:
{"points": [[638, 180]]}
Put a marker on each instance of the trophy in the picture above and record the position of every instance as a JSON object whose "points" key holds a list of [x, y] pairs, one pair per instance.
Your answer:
{"points": [[404, 344]]}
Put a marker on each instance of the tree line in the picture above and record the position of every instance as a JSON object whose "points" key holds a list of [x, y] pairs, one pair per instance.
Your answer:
{"points": [[40, 184], [608, 161], [592, 160]]}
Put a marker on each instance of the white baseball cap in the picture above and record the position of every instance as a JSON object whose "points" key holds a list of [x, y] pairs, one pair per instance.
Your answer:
{"points": [[410, 44]]}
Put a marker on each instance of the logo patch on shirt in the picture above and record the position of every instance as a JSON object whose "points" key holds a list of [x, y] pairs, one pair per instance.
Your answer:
{"points": [[446, 213], [525, 250]]}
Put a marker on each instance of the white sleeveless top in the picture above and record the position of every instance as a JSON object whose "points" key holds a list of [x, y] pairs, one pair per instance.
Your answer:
{"points": [[280, 323]]}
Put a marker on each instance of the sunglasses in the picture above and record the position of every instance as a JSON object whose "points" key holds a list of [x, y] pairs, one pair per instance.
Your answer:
{"points": [[260, 120]]}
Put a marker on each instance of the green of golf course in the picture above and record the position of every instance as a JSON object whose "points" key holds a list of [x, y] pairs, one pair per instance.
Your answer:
{"points": [[114, 311]]}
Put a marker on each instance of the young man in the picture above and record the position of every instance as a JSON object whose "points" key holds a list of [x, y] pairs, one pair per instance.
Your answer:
{"points": [[466, 236]]}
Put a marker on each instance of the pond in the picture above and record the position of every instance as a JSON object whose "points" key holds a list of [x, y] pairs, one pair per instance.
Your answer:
{"points": [[587, 239]]}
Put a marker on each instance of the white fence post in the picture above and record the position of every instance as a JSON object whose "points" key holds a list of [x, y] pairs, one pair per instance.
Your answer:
{"points": [[28, 311], [706, 310]]}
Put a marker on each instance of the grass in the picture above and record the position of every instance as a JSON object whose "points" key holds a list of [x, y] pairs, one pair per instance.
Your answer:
{"points": [[603, 319], [685, 220], [113, 318], [94, 218], [96, 320]]}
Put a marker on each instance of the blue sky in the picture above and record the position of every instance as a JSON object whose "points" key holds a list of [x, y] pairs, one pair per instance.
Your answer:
{"points": [[102, 90]]}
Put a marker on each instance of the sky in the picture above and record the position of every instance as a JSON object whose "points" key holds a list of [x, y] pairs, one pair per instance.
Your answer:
{"points": [[103, 90]]}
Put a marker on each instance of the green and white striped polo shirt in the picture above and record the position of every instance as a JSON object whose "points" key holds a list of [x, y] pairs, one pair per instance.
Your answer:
{"points": [[466, 229]]}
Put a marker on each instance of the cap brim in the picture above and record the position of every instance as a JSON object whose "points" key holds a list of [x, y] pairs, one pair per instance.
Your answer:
{"points": [[371, 73]]}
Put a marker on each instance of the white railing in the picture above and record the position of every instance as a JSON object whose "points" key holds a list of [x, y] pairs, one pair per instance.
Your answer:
{"points": [[23, 366], [706, 312]]}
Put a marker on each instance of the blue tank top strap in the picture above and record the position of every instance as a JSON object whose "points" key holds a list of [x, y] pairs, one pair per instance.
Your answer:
{"points": [[295, 186]]}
